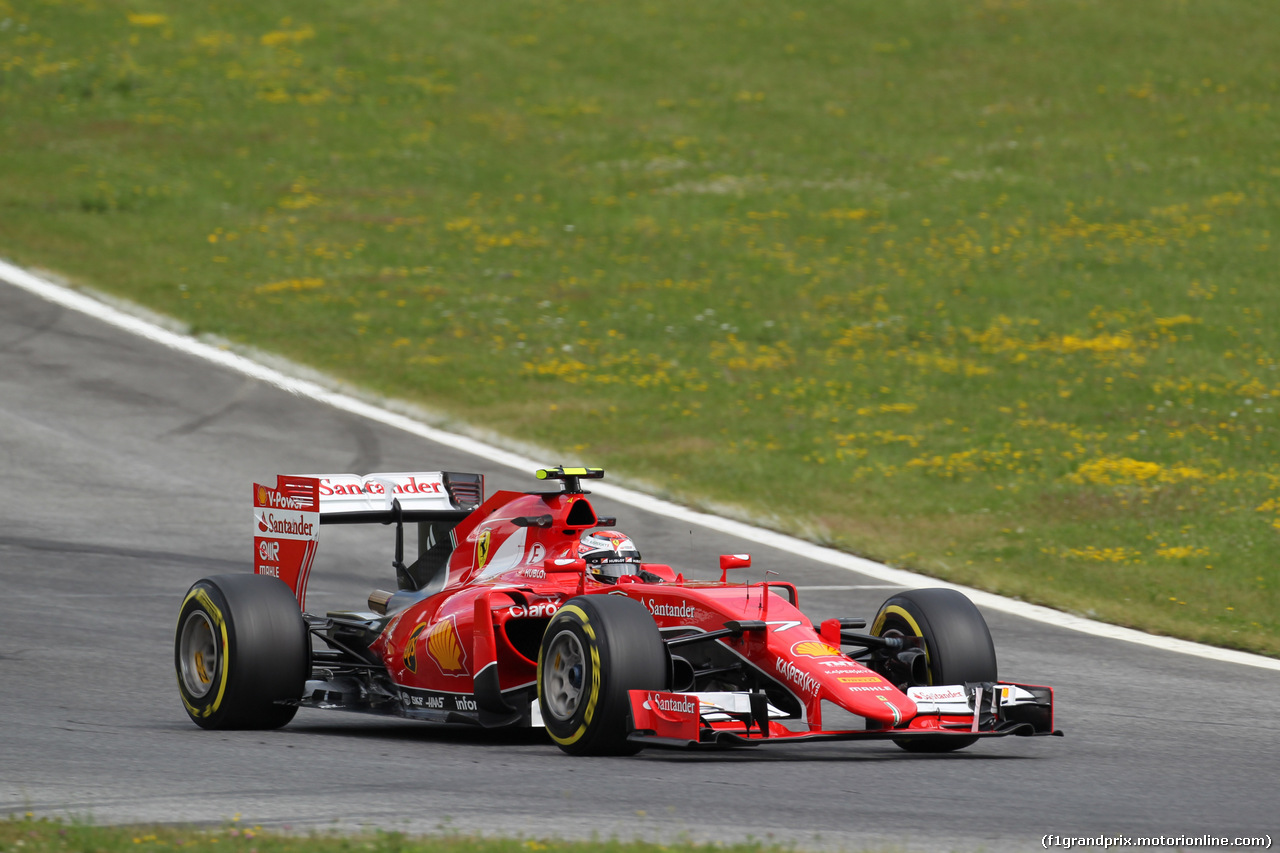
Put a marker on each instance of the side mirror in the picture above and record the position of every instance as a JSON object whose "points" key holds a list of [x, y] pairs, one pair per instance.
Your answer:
{"points": [[566, 565], [732, 561]]}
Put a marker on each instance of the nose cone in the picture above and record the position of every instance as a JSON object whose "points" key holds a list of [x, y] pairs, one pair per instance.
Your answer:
{"points": [[822, 670], [869, 695]]}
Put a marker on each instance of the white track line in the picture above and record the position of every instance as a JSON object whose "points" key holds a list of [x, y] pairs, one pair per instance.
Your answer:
{"points": [[849, 588], [184, 343]]}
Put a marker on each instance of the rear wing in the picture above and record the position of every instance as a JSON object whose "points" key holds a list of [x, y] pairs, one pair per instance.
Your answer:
{"points": [[287, 518], [422, 496]]}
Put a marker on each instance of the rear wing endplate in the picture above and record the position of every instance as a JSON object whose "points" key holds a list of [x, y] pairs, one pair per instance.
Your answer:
{"points": [[287, 518]]}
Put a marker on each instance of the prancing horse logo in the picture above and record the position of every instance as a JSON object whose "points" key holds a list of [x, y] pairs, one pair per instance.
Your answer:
{"points": [[482, 549]]}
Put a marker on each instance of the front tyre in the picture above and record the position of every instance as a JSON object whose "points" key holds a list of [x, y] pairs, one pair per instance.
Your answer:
{"points": [[595, 650], [240, 649], [958, 647]]}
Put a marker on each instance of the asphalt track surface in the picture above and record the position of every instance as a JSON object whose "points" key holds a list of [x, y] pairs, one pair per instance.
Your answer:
{"points": [[126, 476]]}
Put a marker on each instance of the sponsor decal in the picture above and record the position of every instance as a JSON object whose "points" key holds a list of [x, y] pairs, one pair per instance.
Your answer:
{"points": [[939, 694], [815, 649], [275, 499], [784, 624], [279, 501], [537, 553], [841, 665], [535, 610], [797, 676], [683, 610], [410, 655], [430, 701], [482, 547], [269, 551], [462, 703], [274, 571], [860, 679], [537, 574], [445, 648], [282, 526], [376, 487], [681, 705]]}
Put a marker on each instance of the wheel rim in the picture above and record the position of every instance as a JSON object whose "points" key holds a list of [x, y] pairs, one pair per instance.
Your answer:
{"points": [[198, 654], [563, 675]]}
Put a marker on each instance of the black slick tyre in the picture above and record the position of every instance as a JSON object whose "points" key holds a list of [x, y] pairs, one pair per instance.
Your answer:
{"points": [[241, 648], [958, 646], [595, 649]]}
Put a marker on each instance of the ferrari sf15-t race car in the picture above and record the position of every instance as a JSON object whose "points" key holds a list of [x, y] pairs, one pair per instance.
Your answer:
{"points": [[519, 610]]}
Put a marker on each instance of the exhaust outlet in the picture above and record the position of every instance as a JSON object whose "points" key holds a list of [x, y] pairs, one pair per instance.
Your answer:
{"points": [[378, 600]]}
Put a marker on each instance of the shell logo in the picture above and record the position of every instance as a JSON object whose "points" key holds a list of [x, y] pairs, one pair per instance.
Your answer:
{"points": [[815, 649], [410, 655], [482, 548], [445, 648], [262, 495]]}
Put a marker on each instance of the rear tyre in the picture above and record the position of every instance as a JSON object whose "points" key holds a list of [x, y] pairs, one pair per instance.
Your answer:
{"points": [[241, 648], [595, 649], [958, 647]]}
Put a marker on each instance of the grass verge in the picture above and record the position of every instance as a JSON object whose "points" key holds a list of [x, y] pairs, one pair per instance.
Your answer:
{"points": [[985, 290], [41, 835]]}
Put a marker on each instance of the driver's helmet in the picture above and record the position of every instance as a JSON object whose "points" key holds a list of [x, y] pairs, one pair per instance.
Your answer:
{"points": [[609, 554]]}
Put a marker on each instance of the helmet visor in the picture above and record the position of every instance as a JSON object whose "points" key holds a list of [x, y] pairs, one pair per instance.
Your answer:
{"points": [[609, 554]]}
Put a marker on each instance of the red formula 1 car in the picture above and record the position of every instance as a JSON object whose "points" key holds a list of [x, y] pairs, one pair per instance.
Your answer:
{"points": [[519, 611]]}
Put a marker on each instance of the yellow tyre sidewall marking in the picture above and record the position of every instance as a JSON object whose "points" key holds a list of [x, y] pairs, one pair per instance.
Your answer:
{"points": [[212, 611], [902, 614], [594, 696]]}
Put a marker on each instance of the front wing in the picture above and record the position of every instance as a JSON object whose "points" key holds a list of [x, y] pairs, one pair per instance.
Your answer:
{"points": [[726, 720]]}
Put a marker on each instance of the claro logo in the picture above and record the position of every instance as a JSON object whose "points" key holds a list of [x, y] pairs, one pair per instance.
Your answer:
{"points": [[534, 610]]}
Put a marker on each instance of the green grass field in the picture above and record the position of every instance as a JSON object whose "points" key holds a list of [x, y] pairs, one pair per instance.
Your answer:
{"points": [[984, 289], [30, 834]]}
